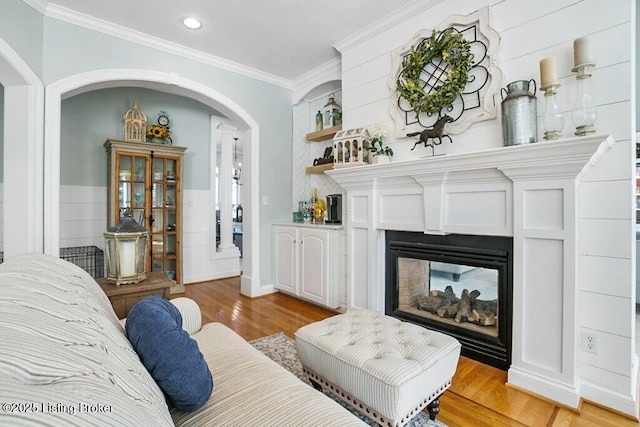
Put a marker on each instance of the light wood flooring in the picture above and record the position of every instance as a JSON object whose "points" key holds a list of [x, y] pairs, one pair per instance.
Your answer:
{"points": [[477, 397]]}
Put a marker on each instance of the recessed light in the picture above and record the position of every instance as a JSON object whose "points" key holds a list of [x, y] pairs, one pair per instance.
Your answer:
{"points": [[192, 23]]}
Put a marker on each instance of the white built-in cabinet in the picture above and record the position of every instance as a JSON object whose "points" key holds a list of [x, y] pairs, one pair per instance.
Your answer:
{"points": [[308, 262]]}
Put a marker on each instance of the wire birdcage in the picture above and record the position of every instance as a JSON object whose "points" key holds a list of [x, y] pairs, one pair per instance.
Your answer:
{"points": [[134, 125]]}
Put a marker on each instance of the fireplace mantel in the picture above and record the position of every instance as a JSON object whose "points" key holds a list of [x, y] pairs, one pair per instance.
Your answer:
{"points": [[436, 191], [534, 193]]}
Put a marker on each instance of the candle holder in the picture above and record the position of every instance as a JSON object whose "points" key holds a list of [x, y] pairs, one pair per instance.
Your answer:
{"points": [[553, 121], [584, 110], [126, 251]]}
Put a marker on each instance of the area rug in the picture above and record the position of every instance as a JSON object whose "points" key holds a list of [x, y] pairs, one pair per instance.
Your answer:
{"points": [[282, 349]]}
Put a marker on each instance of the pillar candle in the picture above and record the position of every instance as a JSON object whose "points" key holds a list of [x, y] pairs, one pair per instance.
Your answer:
{"points": [[582, 53], [548, 73], [127, 258]]}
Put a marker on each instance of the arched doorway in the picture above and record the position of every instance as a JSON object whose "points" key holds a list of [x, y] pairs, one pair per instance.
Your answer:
{"points": [[164, 82]]}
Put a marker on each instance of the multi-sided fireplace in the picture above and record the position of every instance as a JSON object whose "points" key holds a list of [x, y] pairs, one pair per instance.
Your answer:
{"points": [[457, 284]]}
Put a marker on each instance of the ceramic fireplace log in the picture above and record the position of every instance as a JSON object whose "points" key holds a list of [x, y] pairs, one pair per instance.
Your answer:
{"points": [[468, 308]]}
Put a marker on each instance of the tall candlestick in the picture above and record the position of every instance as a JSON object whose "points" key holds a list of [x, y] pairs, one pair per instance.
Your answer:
{"points": [[314, 194], [582, 53], [548, 72], [584, 111]]}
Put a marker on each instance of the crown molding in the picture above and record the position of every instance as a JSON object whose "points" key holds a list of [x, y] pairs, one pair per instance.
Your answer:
{"points": [[329, 71], [94, 24], [382, 25]]}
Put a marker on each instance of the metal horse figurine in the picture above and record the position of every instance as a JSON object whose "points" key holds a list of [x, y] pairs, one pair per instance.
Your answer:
{"points": [[431, 133]]}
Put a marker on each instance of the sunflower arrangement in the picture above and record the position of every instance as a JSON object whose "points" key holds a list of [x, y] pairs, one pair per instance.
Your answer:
{"points": [[157, 131], [454, 51]]}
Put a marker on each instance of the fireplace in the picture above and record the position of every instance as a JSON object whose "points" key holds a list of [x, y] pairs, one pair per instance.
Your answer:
{"points": [[457, 284], [548, 198]]}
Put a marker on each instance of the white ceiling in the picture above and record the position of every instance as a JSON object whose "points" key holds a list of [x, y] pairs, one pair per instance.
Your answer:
{"points": [[284, 38]]}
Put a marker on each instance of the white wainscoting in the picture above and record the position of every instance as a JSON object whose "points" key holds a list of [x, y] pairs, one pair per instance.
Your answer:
{"points": [[83, 220]]}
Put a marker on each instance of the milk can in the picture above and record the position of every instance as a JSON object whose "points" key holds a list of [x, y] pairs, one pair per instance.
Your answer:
{"points": [[519, 117]]}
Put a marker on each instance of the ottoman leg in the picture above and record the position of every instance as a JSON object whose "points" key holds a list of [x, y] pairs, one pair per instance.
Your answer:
{"points": [[315, 385], [434, 408]]}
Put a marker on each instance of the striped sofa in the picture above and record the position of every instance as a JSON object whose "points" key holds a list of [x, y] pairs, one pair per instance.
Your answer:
{"points": [[65, 360]]}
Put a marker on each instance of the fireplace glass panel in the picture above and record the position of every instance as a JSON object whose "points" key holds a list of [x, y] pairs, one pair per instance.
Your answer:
{"points": [[456, 294], [457, 284]]}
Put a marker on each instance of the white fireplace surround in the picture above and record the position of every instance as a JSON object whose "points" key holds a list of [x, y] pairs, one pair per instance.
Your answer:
{"points": [[550, 197]]}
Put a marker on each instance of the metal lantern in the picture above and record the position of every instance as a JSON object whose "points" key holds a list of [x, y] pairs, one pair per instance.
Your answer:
{"points": [[134, 125], [332, 112], [126, 251]]}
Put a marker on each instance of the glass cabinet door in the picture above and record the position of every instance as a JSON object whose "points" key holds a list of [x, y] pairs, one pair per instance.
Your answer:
{"points": [[131, 187], [164, 203]]}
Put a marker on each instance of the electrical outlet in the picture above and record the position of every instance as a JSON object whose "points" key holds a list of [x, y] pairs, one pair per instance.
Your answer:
{"points": [[590, 341]]}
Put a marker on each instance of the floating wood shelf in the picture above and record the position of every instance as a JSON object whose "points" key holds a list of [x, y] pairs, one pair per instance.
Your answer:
{"points": [[320, 168], [323, 134]]}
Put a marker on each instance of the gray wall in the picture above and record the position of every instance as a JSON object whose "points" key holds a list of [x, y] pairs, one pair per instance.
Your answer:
{"points": [[57, 50], [93, 117], [21, 26]]}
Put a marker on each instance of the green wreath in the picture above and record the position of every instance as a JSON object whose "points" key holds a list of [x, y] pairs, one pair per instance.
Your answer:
{"points": [[454, 50]]}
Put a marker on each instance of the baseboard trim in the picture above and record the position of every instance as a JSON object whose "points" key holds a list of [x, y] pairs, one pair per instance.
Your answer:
{"points": [[559, 393], [253, 288], [620, 403], [210, 277], [569, 398]]}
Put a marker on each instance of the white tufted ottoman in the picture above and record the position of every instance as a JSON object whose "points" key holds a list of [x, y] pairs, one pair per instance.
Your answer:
{"points": [[389, 370]]}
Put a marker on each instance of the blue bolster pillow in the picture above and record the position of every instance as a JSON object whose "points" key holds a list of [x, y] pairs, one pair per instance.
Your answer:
{"points": [[172, 357]]}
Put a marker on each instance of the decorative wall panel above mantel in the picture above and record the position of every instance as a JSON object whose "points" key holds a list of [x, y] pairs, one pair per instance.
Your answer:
{"points": [[477, 101]]}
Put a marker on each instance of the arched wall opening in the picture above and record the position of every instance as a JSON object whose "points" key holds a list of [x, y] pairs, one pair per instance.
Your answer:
{"points": [[162, 82], [304, 122]]}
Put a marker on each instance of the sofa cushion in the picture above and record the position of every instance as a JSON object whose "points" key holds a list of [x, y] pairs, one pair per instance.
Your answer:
{"points": [[253, 390], [154, 328]]}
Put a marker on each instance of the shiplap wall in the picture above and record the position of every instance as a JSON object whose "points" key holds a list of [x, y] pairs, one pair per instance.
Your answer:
{"points": [[83, 213], [606, 276], [531, 31]]}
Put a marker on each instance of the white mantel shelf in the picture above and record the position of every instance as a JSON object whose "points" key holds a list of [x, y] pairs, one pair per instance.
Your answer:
{"points": [[435, 195], [533, 193], [558, 156]]}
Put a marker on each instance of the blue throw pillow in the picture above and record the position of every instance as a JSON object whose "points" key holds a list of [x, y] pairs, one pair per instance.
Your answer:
{"points": [[172, 357]]}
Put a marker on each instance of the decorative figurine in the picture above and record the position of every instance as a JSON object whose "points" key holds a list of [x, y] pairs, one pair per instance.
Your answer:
{"points": [[437, 131]]}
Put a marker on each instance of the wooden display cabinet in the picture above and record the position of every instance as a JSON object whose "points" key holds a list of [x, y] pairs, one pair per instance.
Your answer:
{"points": [[147, 178]]}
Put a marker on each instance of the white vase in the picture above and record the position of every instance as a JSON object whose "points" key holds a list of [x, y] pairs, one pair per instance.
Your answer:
{"points": [[380, 159]]}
